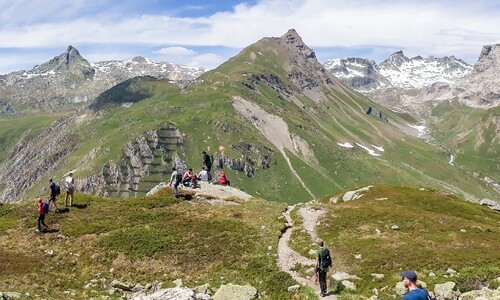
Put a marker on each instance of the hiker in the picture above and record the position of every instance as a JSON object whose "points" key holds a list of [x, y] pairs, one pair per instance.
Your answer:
{"points": [[175, 179], [223, 179], [204, 175], [189, 178], [207, 161], [70, 189], [54, 190], [42, 210], [323, 263], [410, 281]]}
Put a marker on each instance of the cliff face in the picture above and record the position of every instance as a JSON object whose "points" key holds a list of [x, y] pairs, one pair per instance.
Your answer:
{"points": [[482, 89]]}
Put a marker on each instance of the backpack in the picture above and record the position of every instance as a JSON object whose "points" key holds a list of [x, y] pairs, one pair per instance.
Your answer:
{"points": [[178, 178], [326, 260], [58, 190], [45, 207]]}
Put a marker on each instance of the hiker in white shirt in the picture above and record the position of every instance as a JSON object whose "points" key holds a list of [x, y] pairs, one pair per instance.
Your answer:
{"points": [[70, 189], [203, 175]]}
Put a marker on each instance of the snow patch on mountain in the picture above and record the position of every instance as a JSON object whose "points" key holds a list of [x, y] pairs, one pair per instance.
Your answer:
{"points": [[345, 145], [370, 151]]}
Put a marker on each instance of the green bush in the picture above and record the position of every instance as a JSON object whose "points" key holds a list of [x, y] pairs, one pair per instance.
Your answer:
{"points": [[137, 242]]}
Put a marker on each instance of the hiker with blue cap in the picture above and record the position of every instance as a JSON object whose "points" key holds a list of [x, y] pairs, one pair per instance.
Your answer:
{"points": [[410, 282]]}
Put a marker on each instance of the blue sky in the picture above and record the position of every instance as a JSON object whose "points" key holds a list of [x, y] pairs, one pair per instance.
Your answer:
{"points": [[208, 32]]}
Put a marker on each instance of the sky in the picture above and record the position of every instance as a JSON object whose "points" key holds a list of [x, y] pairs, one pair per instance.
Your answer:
{"points": [[208, 32]]}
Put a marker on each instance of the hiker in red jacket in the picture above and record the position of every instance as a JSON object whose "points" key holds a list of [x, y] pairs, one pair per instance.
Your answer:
{"points": [[41, 214], [223, 179]]}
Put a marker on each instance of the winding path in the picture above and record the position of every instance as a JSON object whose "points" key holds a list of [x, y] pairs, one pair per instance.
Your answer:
{"points": [[288, 258]]}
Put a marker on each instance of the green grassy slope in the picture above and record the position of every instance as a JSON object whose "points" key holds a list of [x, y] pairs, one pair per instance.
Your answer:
{"points": [[142, 240], [436, 232], [472, 135]]}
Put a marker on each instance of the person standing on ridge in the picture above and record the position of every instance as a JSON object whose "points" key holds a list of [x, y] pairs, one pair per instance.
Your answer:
{"points": [[207, 162], [41, 214], [70, 186], [53, 193], [323, 263], [410, 282], [175, 179]]}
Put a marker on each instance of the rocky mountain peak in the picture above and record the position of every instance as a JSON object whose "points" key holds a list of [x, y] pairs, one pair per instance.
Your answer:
{"points": [[395, 60], [489, 58], [69, 59], [294, 42]]}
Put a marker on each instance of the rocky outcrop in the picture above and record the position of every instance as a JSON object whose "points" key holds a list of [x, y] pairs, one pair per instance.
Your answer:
{"points": [[145, 162], [235, 292]]}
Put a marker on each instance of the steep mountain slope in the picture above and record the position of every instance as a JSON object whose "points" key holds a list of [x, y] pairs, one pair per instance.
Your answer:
{"points": [[285, 128], [68, 80]]}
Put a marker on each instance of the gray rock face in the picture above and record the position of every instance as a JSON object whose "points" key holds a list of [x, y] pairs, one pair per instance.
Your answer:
{"points": [[446, 291], [235, 292], [69, 78], [482, 89]]}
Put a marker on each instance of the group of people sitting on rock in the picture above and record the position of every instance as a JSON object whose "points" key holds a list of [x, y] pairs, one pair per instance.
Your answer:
{"points": [[189, 179]]}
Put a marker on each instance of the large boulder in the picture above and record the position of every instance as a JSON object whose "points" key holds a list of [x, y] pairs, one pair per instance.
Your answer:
{"points": [[10, 295], [235, 292], [346, 285], [485, 293], [400, 289], [177, 293], [446, 291]]}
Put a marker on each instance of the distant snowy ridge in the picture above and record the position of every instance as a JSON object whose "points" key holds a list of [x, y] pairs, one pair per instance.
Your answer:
{"points": [[398, 71]]}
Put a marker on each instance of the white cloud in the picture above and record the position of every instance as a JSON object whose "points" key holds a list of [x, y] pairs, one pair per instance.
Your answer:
{"points": [[207, 60], [424, 27], [175, 52]]}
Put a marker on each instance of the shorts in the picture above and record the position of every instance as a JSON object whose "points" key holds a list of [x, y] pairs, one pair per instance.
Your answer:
{"points": [[52, 198]]}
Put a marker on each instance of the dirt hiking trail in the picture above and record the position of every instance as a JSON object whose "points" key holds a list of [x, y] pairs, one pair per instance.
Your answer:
{"points": [[288, 258]]}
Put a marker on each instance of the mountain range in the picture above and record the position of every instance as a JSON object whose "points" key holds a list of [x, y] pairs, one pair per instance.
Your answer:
{"points": [[281, 125], [68, 80]]}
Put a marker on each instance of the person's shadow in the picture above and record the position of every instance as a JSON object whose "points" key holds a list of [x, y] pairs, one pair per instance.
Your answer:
{"points": [[80, 206], [62, 210], [49, 230]]}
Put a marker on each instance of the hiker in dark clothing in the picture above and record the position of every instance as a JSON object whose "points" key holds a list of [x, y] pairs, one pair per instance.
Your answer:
{"points": [[175, 180], [323, 263], [53, 194], [207, 162], [41, 215]]}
